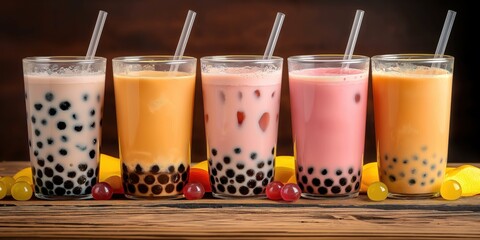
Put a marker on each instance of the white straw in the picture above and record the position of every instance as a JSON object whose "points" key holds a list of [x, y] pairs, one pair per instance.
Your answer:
{"points": [[447, 28], [352, 40], [97, 32], [272, 41], [182, 42]]}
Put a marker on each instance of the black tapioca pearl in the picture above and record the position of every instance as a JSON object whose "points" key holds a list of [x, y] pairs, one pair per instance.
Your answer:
{"points": [[212, 179], [415, 157], [231, 189], [78, 128], [65, 105], [231, 181], [269, 162], [240, 178], [154, 169], [328, 182], [49, 185], [244, 190], [163, 178], [265, 182], [149, 179], [179, 187], [223, 180], [92, 112], [300, 169], [157, 189], [261, 164], [142, 188], [324, 172], [385, 157], [338, 172], [34, 171], [251, 183], [59, 168], [221, 188], [49, 96], [270, 173], [48, 172], [68, 184], [39, 173], [357, 186], [71, 174], [98, 98], [354, 179], [88, 190], [253, 155], [343, 181], [424, 148], [169, 188], [350, 170], [40, 162], [413, 171], [37, 189], [240, 166], [60, 191], [82, 180], [425, 162], [336, 189], [259, 176], [322, 190], [273, 150], [77, 190], [310, 170], [250, 172], [392, 178], [29, 142], [39, 182], [226, 159], [63, 151], [57, 180], [422, 184], [210, 162], [50, 192], [304, 179], [394, 160], [432, 181], [44, 122], [424, 175], [133, 178], [316, 182], [37, 132], [81, 147], [214, 152], [175, 177], [300, 185], [412, 181], [131, 188], [171, 169], [38, 106], [348, 189], [257, 190], [230, 173], [124, 168], [390, 166], [85, 97], [92, 154], [181, 168], [40, 145], [64, 138], [138, 169], [237, 150], [94, 180], [90, 172], [310, 189], [52, 112], [94, 141], [74, 116], [214, 172], [50, 141], [35, 153], [44, 190], [433, 166], [439, 173], [401, 174]]}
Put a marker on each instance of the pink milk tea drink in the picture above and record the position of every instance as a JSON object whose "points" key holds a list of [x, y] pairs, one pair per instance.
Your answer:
{"points": [[64, 102], [328, 97], [241, 104]]}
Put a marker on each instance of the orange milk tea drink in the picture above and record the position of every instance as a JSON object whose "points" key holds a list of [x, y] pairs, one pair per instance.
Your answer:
{"points": [[154, 101], [412, 96], [328, 96], [241, 97], [64, 100]]}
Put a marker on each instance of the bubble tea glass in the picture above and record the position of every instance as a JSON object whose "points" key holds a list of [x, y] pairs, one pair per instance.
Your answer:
{"points": [[154, 100], [241, 97], [64, 103], [328, 97], [412, 97]]}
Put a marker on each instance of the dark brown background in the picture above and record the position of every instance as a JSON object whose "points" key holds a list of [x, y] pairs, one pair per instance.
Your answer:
{"points": [[33, 28]]}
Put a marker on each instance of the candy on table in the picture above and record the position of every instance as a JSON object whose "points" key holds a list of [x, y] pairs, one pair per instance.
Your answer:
{"points": [[290, 192], [102, 191], [273, 190], [377, 191], [193, 190], [451, 190]]}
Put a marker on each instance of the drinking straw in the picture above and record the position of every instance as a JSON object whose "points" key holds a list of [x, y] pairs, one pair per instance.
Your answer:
{"points": [[442, 42], [97, 31], [352, 40], [182, 42], [272, 41]]}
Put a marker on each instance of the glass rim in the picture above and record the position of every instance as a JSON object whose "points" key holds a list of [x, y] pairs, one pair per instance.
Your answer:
{"points": [[328, 58], [154, 59], [256, 59], [63, 59], [412, 57]]}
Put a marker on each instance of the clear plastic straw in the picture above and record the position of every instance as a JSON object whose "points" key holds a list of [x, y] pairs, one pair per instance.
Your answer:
{"points": [[97, 32], [352, 40], [442, 41], [182, 42], [272, 41]]}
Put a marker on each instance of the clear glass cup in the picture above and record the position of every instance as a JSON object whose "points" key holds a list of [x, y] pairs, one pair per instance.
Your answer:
{"points": [[64, 102], [154, 98], [328, 97], [241, 96], [412, 98]]}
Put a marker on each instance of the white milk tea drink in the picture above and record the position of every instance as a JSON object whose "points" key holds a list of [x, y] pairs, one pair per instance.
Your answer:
{"points": [[328, 97], [64, 103], [241, 105]]}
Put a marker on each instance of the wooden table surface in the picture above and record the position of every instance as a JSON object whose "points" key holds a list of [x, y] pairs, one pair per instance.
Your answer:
{"points": [[256, 219]]}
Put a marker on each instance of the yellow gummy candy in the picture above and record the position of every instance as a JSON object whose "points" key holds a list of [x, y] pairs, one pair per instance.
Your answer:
{"points": [[468, 177], [109, 166], [27, 172], [284, 169], [369, 175], [202, 165]]}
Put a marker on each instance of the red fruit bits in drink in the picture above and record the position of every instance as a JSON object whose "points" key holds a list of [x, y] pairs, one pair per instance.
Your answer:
{"points": [[206, 118], [257, 93], [273, 190], [290, 192], [263, 122], [240, 117]]}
